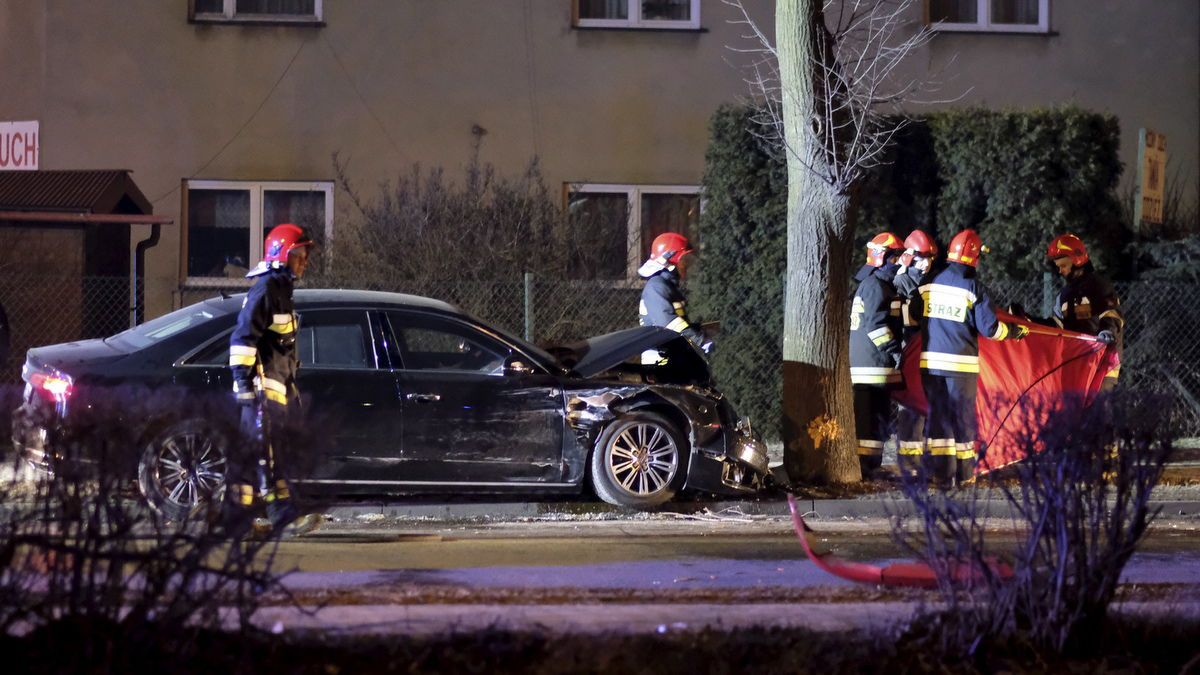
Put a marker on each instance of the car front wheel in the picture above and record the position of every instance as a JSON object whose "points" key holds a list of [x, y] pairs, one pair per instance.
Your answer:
{"points": [[640, 461], [183, 468]]}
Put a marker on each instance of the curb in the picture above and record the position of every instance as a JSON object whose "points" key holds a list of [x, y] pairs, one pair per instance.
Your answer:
{"points": [[815, 509]]}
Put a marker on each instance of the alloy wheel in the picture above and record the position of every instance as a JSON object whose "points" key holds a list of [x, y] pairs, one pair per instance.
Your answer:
{"points": [[643, 459]]}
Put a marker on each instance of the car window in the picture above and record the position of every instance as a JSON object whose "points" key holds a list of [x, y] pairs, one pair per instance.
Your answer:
{"points": [[432, 343], [165, 326], [334, 338], [330, 338]]}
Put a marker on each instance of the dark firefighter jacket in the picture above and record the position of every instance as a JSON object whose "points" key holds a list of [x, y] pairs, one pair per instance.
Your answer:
{"points": [[663, 305], [1088, 304], [908, 286], [954, 311], [875, 327], [262, 348]]}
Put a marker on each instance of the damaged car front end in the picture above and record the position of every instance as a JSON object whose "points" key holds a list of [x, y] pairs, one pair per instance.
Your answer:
{"points": [[724, 456]]}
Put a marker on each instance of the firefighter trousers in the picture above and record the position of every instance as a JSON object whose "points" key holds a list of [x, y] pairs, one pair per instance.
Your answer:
{"points": [[910, 432], [255, 474], [872, 423], [951, 427]]}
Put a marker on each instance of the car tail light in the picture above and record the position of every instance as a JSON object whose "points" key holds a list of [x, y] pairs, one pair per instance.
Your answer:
{"points": [[51, 387]]}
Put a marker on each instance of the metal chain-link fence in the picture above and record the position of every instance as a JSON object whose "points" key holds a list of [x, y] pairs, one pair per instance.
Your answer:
{"points": [[1161, 346]]}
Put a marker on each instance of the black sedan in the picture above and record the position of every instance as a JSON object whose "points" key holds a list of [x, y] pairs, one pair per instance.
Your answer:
{"points": [[424, 399]]}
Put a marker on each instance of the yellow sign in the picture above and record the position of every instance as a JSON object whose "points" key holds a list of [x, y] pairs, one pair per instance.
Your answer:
{"points": [[1153, 170]]}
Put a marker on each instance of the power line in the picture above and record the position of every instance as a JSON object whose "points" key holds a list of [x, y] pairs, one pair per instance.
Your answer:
{"points": [[361, 98], [242, 128]]}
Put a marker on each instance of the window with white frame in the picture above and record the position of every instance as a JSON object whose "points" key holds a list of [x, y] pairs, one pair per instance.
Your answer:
{"points": [[622, 220], [1017, 16], [275, 11], [224, 223], [662, 14]]}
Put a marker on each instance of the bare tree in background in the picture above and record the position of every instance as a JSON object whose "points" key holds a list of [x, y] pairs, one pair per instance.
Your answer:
{"points": [[829, 88]]}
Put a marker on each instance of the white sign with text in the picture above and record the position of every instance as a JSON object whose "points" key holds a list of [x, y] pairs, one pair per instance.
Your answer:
{"points": [[19, 146]]}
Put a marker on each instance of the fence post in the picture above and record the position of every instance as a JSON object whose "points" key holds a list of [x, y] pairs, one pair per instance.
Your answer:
{"points": [[529, 306], [1047, 294]]}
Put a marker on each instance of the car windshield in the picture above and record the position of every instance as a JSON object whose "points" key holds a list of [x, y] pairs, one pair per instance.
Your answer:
{"points": [[164, 326]]}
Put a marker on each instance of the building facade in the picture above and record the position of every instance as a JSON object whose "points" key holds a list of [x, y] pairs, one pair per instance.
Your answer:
{"points": [[229, 112]]}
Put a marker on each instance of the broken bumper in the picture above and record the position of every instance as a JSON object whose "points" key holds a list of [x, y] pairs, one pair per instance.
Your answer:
{"points": [[737, 468]]}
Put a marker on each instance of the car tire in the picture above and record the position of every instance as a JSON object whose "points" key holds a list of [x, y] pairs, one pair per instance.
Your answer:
{"points": [[182, 469], [640, 461]]}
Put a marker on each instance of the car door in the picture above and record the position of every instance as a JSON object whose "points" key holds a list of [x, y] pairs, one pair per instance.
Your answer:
{"points": [[468, 419], [349, 395]]}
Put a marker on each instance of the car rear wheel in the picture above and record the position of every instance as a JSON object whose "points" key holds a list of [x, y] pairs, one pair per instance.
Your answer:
{"points": [[182, 469], [640, 461]]}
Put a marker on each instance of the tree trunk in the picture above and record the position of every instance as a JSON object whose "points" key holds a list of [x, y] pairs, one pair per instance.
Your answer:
{"points": [[818, 410]]}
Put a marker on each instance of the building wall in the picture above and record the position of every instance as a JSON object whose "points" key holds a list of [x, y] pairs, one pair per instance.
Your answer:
{"points": [[1137, 60], [388, 83]]}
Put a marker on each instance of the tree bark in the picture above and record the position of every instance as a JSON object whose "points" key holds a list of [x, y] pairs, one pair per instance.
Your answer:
{"points": [[818, 411]]}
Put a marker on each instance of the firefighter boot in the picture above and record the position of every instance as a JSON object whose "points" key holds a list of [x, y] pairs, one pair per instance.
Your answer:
{"points": [[237, 514]]}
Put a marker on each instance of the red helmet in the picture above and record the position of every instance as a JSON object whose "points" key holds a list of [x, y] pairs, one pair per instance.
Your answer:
{"points": [[669, 247], [879, 247], [917, 243], [282, 240], [965, 248], [1068, 246]]}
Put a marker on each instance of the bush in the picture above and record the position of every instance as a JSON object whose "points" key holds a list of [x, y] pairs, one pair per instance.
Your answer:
{"points": [[1080, 499], [85, 560], [426, 227], [739, 279]]}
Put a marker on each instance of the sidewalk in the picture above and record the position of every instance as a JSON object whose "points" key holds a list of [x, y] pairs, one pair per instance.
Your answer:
{"points": [[1178, 502], [626, 619]]}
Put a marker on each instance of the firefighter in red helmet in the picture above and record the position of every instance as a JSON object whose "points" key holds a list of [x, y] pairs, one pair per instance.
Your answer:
{"points": [[875, 333], [954, 311], [264, 361], [1087, 303], [916, 263], [663, 302]]}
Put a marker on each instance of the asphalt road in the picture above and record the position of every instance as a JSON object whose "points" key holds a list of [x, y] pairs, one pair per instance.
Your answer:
{"points": [[635, 556]]}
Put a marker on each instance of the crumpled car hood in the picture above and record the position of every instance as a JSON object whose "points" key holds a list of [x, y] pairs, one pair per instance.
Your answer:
{"points": [[604, 352]]}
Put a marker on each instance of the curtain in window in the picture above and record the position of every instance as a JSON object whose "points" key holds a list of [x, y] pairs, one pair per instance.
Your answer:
{"points": [[306, 209], [954, 11], [604, 9], [1015, 11], [669, 213], [600, 234], [284, 7], [667, 10], [218, 233]]}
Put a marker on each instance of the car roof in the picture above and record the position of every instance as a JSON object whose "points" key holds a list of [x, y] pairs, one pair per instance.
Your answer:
{"points": [[321, 296]]}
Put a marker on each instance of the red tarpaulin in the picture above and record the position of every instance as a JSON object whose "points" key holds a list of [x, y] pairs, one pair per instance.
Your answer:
{"points": [[1019, 381]]}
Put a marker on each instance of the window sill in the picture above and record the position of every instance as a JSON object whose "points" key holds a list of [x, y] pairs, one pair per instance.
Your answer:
{"points": [[976, 30], [641, 29], [213, 283], [257, 21]]}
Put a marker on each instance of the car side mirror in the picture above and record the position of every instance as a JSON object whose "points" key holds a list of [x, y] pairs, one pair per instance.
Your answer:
{"points": [[515, 365]]}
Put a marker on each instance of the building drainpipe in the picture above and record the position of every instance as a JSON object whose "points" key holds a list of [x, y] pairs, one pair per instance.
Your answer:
{"points": [[139, 273]]}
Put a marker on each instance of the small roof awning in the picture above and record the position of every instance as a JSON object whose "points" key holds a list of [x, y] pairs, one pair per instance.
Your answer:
{"points": [[83, 197]]}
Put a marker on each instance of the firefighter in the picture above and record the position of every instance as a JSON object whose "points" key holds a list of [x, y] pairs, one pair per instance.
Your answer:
{"points": [[263, 358], [1087, 302], [915, 264], [955, 311], [875, 328], [663, 303]]}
